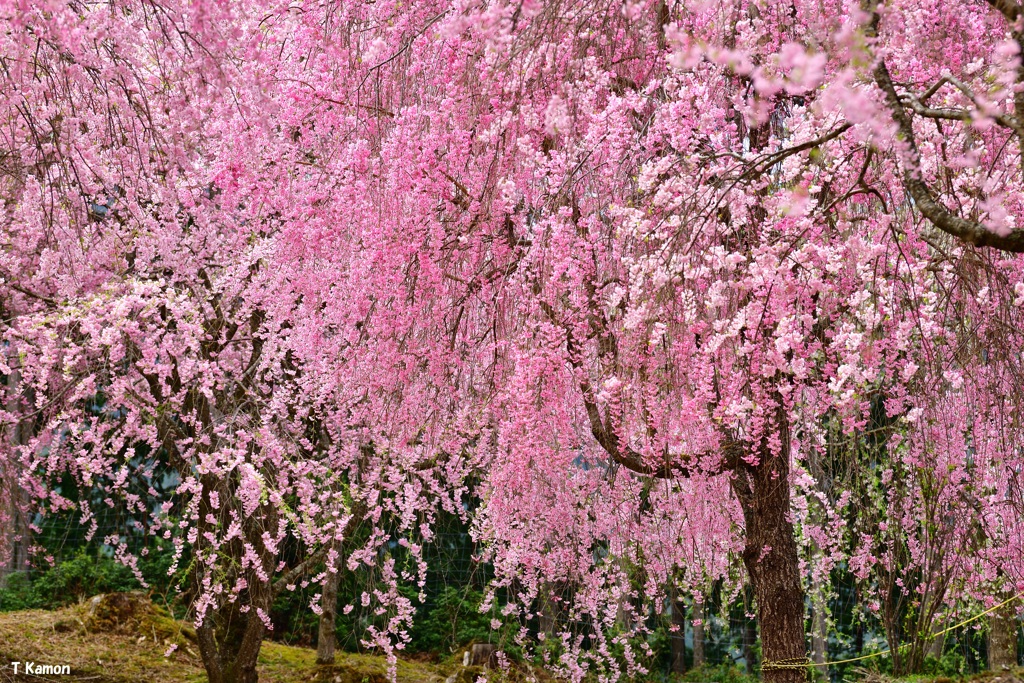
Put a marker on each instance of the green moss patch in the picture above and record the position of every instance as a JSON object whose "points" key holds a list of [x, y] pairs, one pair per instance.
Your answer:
{"points": [[62, 637]]}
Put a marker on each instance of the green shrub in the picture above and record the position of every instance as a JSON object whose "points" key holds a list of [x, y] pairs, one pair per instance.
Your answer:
{"points": [[18, 594], [294, 622], [453, 620], [81, 577], [951, 664], [723, 673], [70, 581]]}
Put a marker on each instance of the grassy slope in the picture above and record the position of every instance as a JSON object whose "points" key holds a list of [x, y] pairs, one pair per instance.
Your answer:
{"points": [[119, 656]]}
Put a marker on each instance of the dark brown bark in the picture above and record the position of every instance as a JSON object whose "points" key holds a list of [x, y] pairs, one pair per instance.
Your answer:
{"points": [[229, 643], [326, 638], [770, 556], [770, 552], [230, 640]]}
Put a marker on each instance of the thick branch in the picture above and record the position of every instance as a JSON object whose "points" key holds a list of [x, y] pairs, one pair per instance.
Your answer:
{"points": [[29, 293], [635, 462], [1004, 120], [942, 113], [604, 432], [971, 232]]}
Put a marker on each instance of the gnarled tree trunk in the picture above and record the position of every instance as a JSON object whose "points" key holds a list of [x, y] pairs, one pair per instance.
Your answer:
{"points": [[229, 639], [229, 643], [763, 489], [770, 556]]}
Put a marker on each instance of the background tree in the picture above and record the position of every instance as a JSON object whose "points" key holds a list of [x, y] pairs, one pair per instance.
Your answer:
{"points": [[624, 274], [156, 325]]}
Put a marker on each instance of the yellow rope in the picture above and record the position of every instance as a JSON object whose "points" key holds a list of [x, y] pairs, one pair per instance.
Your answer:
{"points": [[803, 662], [781, 664]]}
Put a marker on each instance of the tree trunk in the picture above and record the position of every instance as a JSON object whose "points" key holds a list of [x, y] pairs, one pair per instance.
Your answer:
{"points": [[547, 615], [749, 631], [624, 612], [677, 638], [938, 642], [229, 643], [698, 633], [326, 637], [819, 634], [858, 629], [1002, 638], [18, 535], [819, 642], [770, 556]]}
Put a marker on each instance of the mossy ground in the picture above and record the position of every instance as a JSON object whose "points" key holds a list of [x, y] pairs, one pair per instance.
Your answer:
{"points": [[118, 643], [105, 647], [1015, 676], [60, 637]]}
